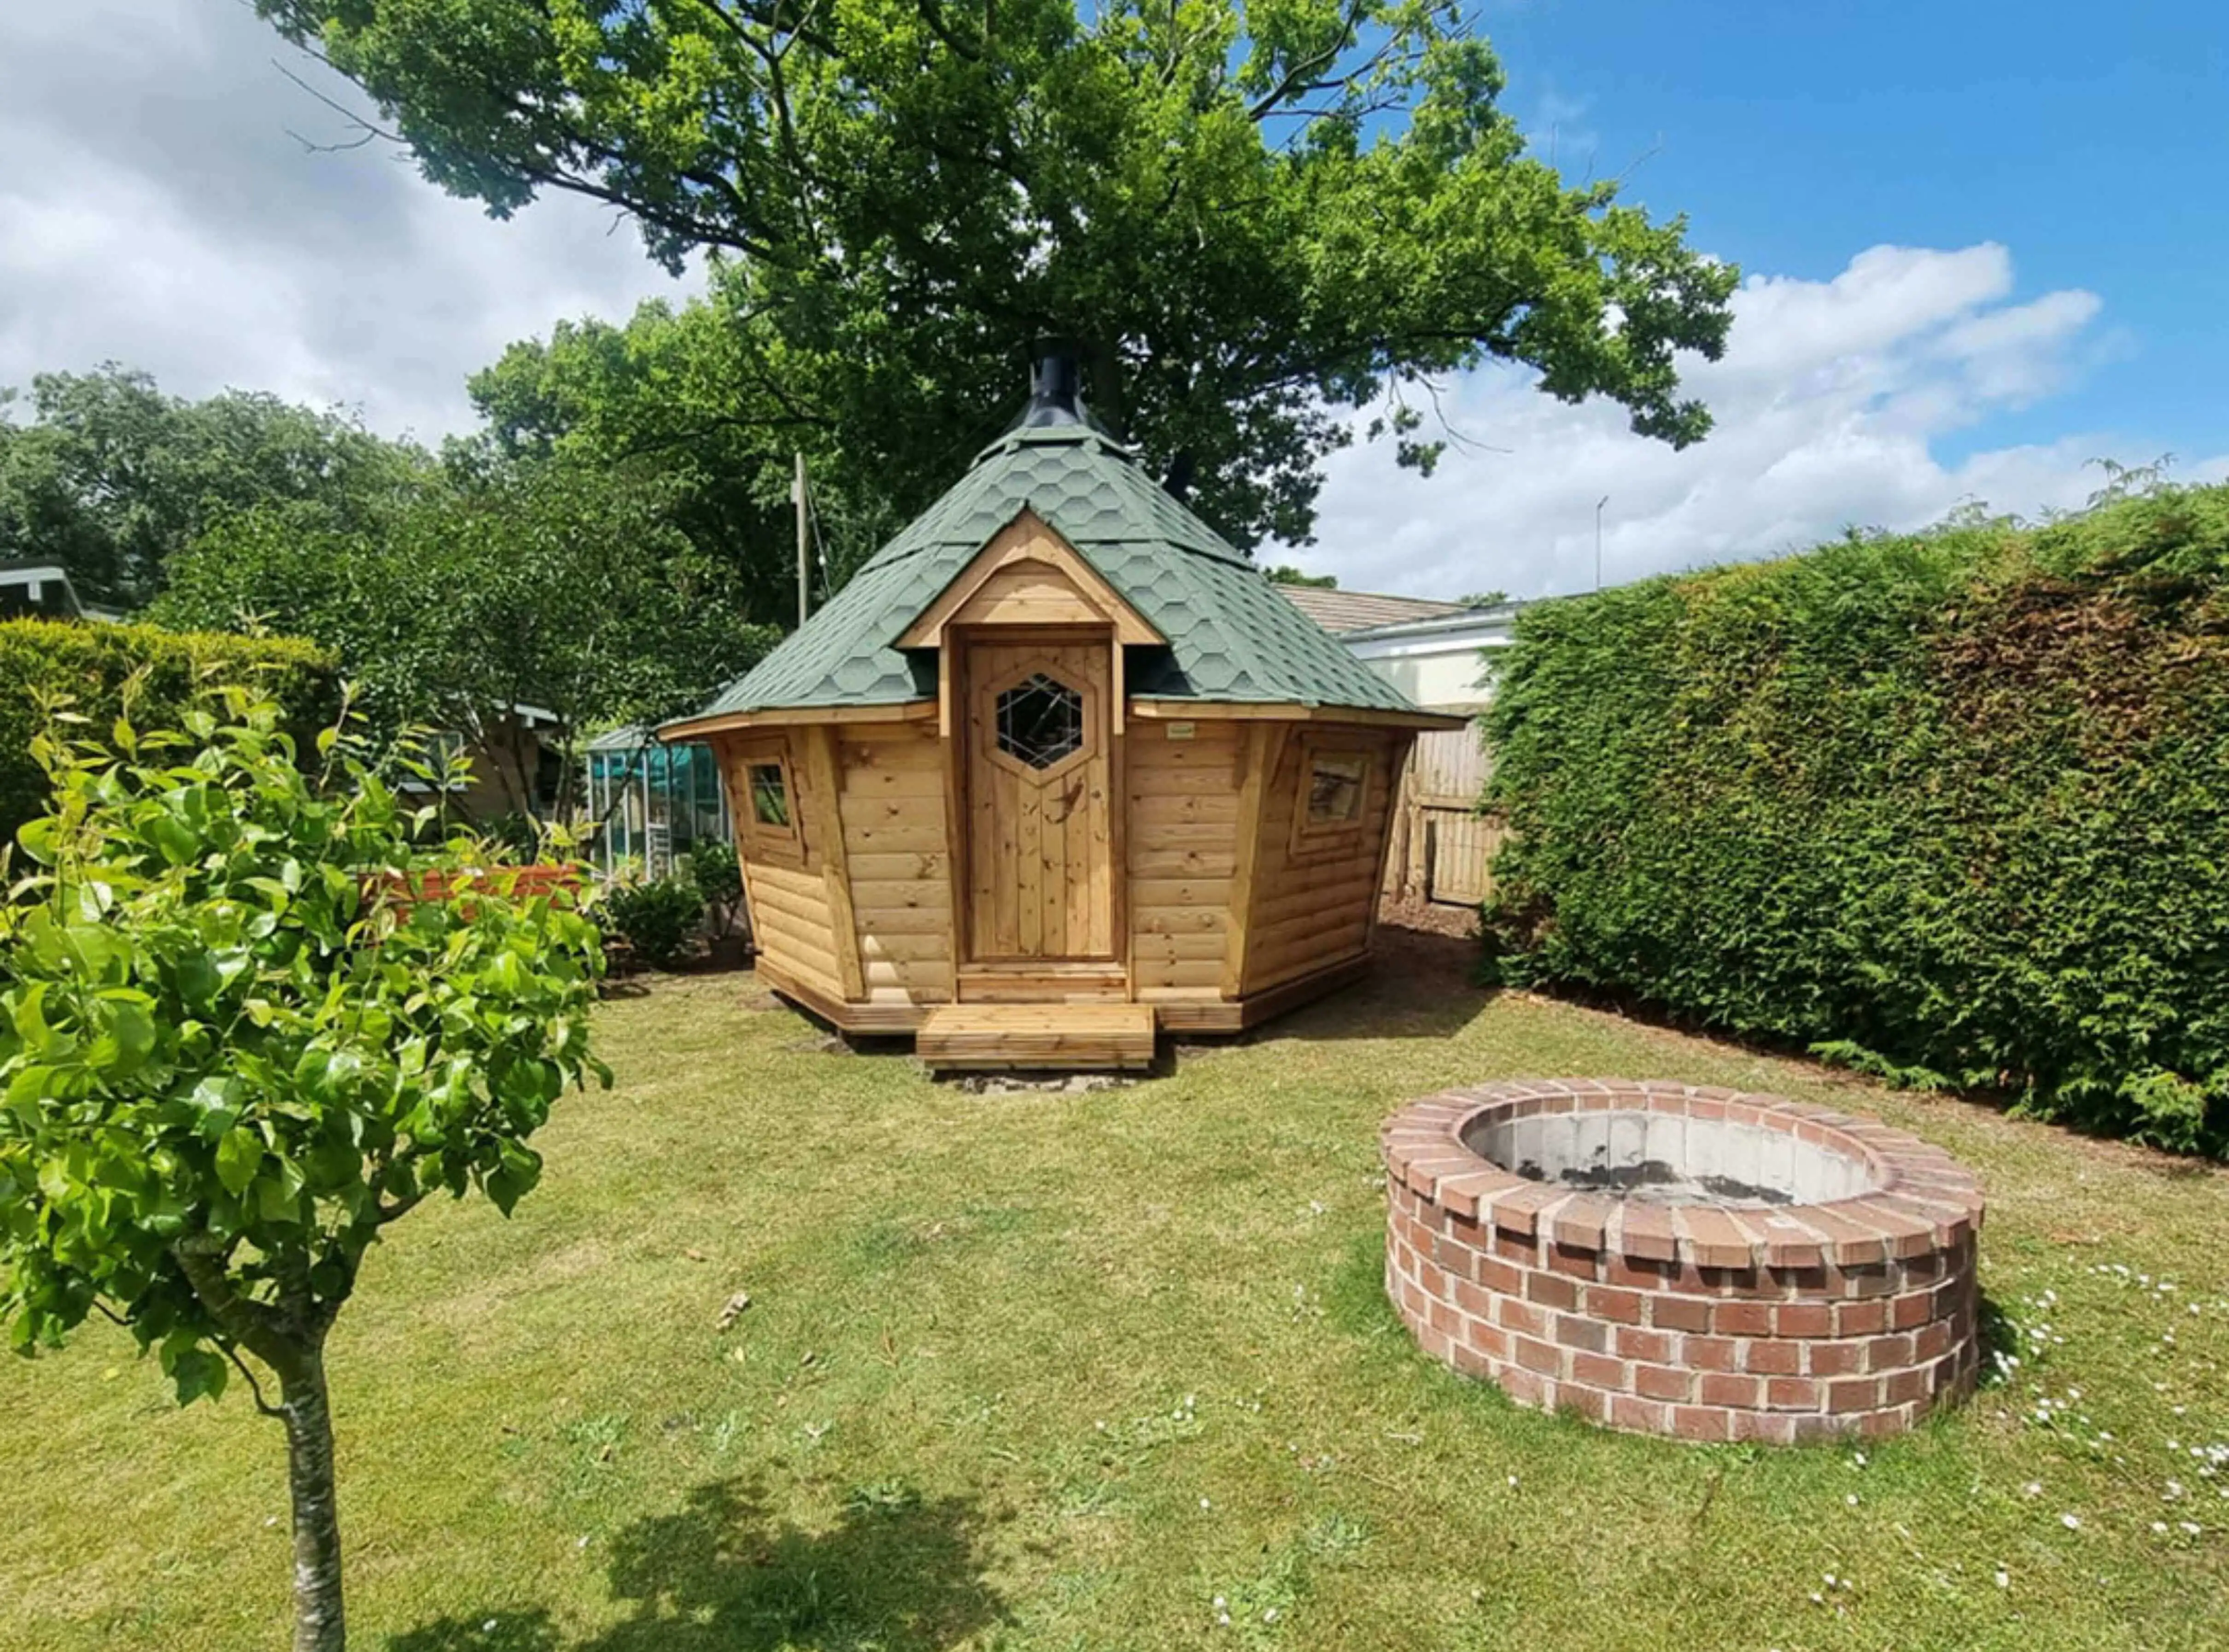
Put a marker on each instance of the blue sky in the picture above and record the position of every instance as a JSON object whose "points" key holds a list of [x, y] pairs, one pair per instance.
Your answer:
{"points": [[1983, 244], [2093, 141]]}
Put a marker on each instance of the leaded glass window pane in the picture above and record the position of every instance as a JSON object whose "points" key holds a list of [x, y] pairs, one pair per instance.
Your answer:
{"points": [[1040, 721], [769, 795], [1335, 789]]}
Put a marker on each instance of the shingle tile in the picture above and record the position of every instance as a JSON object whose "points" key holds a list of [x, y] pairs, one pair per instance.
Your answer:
{"points": [[1232, 636]]}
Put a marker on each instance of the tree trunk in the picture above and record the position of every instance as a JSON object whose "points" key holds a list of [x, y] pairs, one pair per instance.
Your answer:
{"points": [[319, 1625]]}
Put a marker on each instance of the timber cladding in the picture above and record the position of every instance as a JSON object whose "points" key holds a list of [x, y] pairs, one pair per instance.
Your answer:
{"points": [[892, 795], [1251, 851], [1184, 786], [1318, 849], [784, 861]]}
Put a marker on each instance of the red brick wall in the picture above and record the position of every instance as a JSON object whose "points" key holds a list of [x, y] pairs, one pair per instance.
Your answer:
{"points": [[1795, 1323]]}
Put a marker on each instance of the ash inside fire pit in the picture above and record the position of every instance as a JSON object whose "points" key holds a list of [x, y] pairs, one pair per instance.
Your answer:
{"points": [[1667, 1159]]}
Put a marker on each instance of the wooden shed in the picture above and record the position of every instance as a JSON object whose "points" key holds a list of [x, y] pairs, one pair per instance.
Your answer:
{"points": [[1056, 769]]}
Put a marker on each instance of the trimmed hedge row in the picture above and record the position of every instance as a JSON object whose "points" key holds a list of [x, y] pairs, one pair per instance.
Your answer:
{"points": [[1953, 807], [91, 662]]}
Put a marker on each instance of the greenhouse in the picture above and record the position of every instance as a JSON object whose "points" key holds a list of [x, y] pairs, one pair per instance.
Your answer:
{"points": [[651, 804]]}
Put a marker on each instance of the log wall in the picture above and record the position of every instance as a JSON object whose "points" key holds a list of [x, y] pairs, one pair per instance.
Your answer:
{"points": [[1231, 896], [1183, 850], [791, 916], [899, 860], [1314, 898]]}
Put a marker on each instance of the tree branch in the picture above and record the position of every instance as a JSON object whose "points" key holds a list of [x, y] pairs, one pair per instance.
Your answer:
{"points": [[366, 128], [254, 1388], [933, 14], [383, 1214], [252, 1324], [1301, 77]]}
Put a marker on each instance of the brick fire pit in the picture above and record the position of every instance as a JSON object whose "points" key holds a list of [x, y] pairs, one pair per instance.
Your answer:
{"points": [[1681, 1260]]}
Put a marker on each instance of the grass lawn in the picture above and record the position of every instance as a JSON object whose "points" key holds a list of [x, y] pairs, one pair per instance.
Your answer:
{"points": [[1065, 1370]]}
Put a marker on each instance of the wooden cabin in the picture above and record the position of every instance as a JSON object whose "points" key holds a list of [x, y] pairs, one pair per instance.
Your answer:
{"points": [[1057, 769]]}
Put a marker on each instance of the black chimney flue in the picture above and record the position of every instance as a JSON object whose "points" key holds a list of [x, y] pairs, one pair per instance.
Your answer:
{"points": [[1053, 387]]}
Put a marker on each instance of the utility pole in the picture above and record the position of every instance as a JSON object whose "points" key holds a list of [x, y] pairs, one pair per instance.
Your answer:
{"points": [[1598, 511], [804, 544]]}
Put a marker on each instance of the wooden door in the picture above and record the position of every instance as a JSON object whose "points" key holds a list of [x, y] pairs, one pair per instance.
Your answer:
{"points": [[1040, 863]]}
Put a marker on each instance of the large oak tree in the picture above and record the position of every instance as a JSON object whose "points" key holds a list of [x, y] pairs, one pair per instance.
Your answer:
{"points": [[1251, 218]]}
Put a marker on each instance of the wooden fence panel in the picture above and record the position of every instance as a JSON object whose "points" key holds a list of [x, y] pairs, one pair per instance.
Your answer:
{"points": [[1444, 846]]}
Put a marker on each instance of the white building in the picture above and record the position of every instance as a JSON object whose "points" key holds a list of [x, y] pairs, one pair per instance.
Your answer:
{"points": [[1441, 655], [1441, 661]]}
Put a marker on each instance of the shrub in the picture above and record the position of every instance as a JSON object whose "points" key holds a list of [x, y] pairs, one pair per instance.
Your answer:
{"points": [[719, 878], [92, 665], [657, 919], [1952, 807], [518, 834]]}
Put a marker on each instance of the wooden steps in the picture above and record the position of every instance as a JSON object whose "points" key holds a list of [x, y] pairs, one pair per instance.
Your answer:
{"points": [[1044, 983], [1005, 1037]]}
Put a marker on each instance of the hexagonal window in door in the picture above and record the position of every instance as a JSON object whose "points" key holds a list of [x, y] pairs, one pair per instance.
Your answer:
{"points": [[1040, 721]]}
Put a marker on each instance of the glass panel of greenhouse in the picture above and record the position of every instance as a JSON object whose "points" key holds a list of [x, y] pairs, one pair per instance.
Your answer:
{"points": [[652, 802]]}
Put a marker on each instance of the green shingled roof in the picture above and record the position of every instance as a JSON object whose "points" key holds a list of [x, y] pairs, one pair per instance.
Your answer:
{"points": [[1231, 637]]}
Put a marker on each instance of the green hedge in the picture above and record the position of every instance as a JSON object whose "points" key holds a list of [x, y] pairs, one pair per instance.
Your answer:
{"points": [[1954, 808], [91, 662]]}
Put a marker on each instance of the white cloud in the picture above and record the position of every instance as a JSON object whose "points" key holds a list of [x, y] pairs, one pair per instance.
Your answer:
{"points": [[156, 210], [1829, 403]]}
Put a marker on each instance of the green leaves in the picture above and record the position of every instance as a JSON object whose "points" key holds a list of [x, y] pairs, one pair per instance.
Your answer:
{"points": [[213, 1106], [28, 1011], [216, 1088], [517, 1171], [238, 1154], [481, 589], [1250, 217], [111, 478], [196, 1373], [123, 1049], [1948, 809], [37, 839], [656, 919]]}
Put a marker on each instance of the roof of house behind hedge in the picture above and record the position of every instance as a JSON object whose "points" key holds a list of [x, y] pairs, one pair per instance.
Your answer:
{"points": [[1232, 638]]}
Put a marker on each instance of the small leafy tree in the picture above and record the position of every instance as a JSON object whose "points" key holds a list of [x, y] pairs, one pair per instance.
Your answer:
{"points": [[550, 584], [242, 1031]]}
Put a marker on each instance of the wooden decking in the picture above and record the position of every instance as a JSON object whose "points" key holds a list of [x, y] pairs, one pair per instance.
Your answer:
{"points": [[994, 1037]]}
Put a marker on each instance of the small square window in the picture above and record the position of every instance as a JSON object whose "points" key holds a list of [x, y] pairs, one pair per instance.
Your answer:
{"points": [[769, 795], [763, 788], [1335, 783]]}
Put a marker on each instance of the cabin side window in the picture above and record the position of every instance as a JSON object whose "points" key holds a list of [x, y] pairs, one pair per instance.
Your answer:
{"points": [[769, 795], [1336, 779], [764, 786]]}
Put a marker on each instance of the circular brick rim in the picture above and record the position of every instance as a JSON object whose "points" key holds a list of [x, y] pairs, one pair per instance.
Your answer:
{"points": [[1782, 1324], [1923, 1200]]}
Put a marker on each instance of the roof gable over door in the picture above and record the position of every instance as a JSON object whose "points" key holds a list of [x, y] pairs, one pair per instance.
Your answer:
{"points": [[1028, 575]]}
